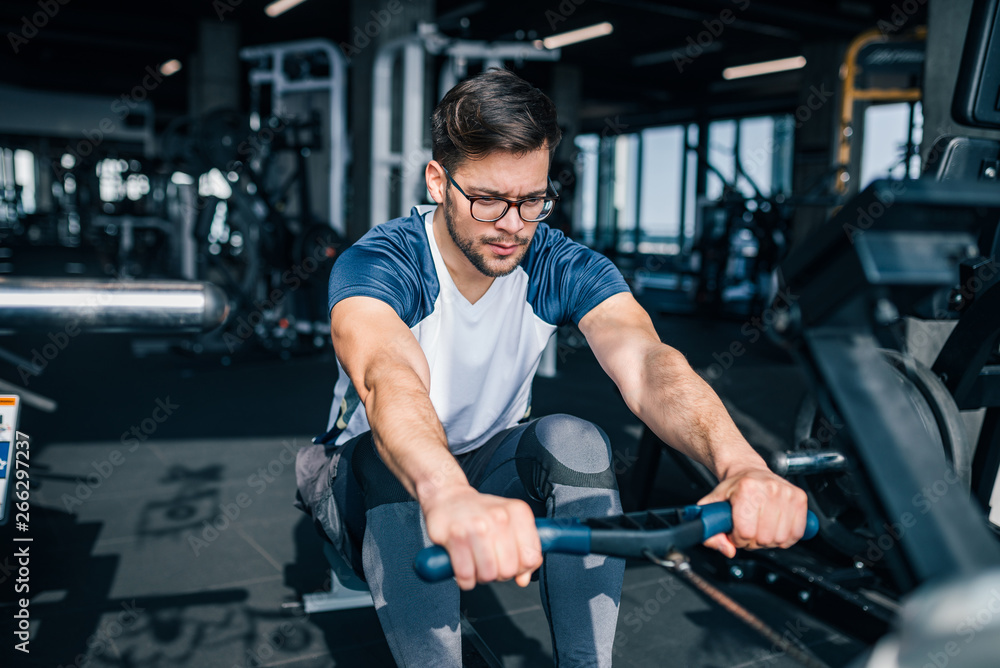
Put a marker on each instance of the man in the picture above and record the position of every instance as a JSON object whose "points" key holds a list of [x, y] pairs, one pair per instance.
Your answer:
{"points": [[438, 321]]}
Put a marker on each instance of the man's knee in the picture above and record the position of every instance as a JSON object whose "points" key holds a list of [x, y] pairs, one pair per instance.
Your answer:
{"points": [[576, 443], [564, 450]]}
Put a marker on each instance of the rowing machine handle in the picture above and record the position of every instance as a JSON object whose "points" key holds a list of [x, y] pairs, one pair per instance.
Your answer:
{"points": [[569, 536]]}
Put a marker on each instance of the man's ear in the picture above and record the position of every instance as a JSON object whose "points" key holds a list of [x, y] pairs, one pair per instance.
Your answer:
{"points": [[436, 180]]}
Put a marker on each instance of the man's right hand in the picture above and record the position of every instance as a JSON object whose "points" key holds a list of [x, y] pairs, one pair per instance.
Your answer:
{"points": [[487, 537]]}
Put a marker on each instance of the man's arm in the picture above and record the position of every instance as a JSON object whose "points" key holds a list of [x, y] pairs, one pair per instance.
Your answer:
{"points": [[488, 538], [663, 391]]}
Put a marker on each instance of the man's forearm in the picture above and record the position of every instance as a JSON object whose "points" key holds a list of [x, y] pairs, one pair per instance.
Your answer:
{"points": [[684, 411], [409, 436]]}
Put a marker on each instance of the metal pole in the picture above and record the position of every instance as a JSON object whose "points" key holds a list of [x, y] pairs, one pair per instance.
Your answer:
{"points": [[97, 305]]}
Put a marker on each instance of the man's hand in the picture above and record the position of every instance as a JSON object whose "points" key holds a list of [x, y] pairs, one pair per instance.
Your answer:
{"points": [[487, 537], [768, 511]]}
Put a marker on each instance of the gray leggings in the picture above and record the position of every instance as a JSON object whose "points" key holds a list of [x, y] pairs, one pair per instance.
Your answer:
{"points": [[560, 465]]}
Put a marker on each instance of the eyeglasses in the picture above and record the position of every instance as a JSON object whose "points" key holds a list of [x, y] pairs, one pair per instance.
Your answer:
{"points": [[491, 209]]}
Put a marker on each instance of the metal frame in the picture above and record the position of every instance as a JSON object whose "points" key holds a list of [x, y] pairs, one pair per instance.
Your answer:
{"points": [[112, 306], [850, 95], [411, 54], [346, 594], [963, 366], [335, 85], [83, 120], [849, 287]]}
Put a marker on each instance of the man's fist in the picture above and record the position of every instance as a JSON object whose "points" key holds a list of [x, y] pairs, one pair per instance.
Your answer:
{"points": [[487, 537], [768, 511]]}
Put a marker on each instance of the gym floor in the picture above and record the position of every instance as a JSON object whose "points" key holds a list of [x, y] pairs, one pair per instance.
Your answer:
{"points": [[125, 573]]}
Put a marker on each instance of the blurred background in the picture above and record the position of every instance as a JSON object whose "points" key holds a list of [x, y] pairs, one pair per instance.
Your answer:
{"points": [[176, 182]]}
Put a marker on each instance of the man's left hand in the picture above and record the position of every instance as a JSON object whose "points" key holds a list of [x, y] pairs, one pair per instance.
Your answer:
{"points": [[768, 511]]}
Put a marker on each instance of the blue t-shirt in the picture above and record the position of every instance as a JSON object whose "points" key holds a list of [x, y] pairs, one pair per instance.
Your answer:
{"points": [[482, 356]]}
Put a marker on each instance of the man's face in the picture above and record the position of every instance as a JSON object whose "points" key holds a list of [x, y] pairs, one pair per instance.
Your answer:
{"points": [[497, 248]]}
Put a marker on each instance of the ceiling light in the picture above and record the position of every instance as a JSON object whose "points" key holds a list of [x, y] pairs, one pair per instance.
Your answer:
{"points": [[170, 67], [574, 36], [767, 67], [279, 7]]}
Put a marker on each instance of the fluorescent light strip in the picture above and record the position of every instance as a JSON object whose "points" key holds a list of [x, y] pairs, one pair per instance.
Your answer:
{"points": [[574, 36], [279, 7], [170, 67], [768, 67]]}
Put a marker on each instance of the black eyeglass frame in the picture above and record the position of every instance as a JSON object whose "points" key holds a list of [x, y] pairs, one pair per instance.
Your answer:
{"points": [[516, 203]]}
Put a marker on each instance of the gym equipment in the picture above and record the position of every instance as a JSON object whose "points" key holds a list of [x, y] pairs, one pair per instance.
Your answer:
{"points": [[877, 68], [968, 365], [657, 535], [304, 67], [66, 307], [819, 466], [651, 532], [953, 623], [853, 282], [975, 100], [9, 405], [968, 361], [880, 452], [739, 242], [964, 375], [109, 306], [265, 240], [397, 180]]}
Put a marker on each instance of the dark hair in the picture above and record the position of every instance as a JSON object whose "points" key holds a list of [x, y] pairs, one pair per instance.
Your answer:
{"points": [[495, 110]]}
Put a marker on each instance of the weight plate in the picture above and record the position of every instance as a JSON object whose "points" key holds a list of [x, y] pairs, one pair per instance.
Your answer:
{"points": [[834, 497]]}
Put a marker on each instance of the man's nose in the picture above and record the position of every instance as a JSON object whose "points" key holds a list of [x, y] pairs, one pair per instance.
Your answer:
{"points": [[511, 222]]}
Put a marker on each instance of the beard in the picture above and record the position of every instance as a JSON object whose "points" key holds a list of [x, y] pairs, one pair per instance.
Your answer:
{"points": [[494, 267]]}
